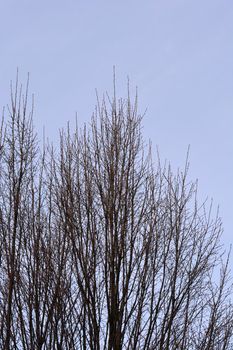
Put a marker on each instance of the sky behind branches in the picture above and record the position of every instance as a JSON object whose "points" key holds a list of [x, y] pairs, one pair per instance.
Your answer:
{"points": [[178, 53]]}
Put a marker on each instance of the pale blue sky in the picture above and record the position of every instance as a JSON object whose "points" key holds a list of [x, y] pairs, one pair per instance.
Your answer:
{"points": [[179, 53]]}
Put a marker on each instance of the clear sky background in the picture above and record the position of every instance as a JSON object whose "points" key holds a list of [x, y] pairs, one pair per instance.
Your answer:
{"points": [[179, 53]]}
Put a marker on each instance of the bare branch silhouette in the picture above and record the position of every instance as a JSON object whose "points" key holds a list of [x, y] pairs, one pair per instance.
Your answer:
{"points": [[102, 249]]}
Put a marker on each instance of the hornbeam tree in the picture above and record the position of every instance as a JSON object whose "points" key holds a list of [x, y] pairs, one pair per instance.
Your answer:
{"points": [[101, 247]]}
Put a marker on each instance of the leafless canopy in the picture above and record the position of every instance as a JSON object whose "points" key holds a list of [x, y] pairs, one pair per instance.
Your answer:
{"points": [[100, 248]]}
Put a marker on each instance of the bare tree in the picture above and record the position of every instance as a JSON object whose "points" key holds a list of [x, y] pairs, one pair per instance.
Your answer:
{"points": [[102, 248]]}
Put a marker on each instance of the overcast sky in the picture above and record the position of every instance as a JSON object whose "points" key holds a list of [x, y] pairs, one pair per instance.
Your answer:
{"points": [[179, 53]]}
